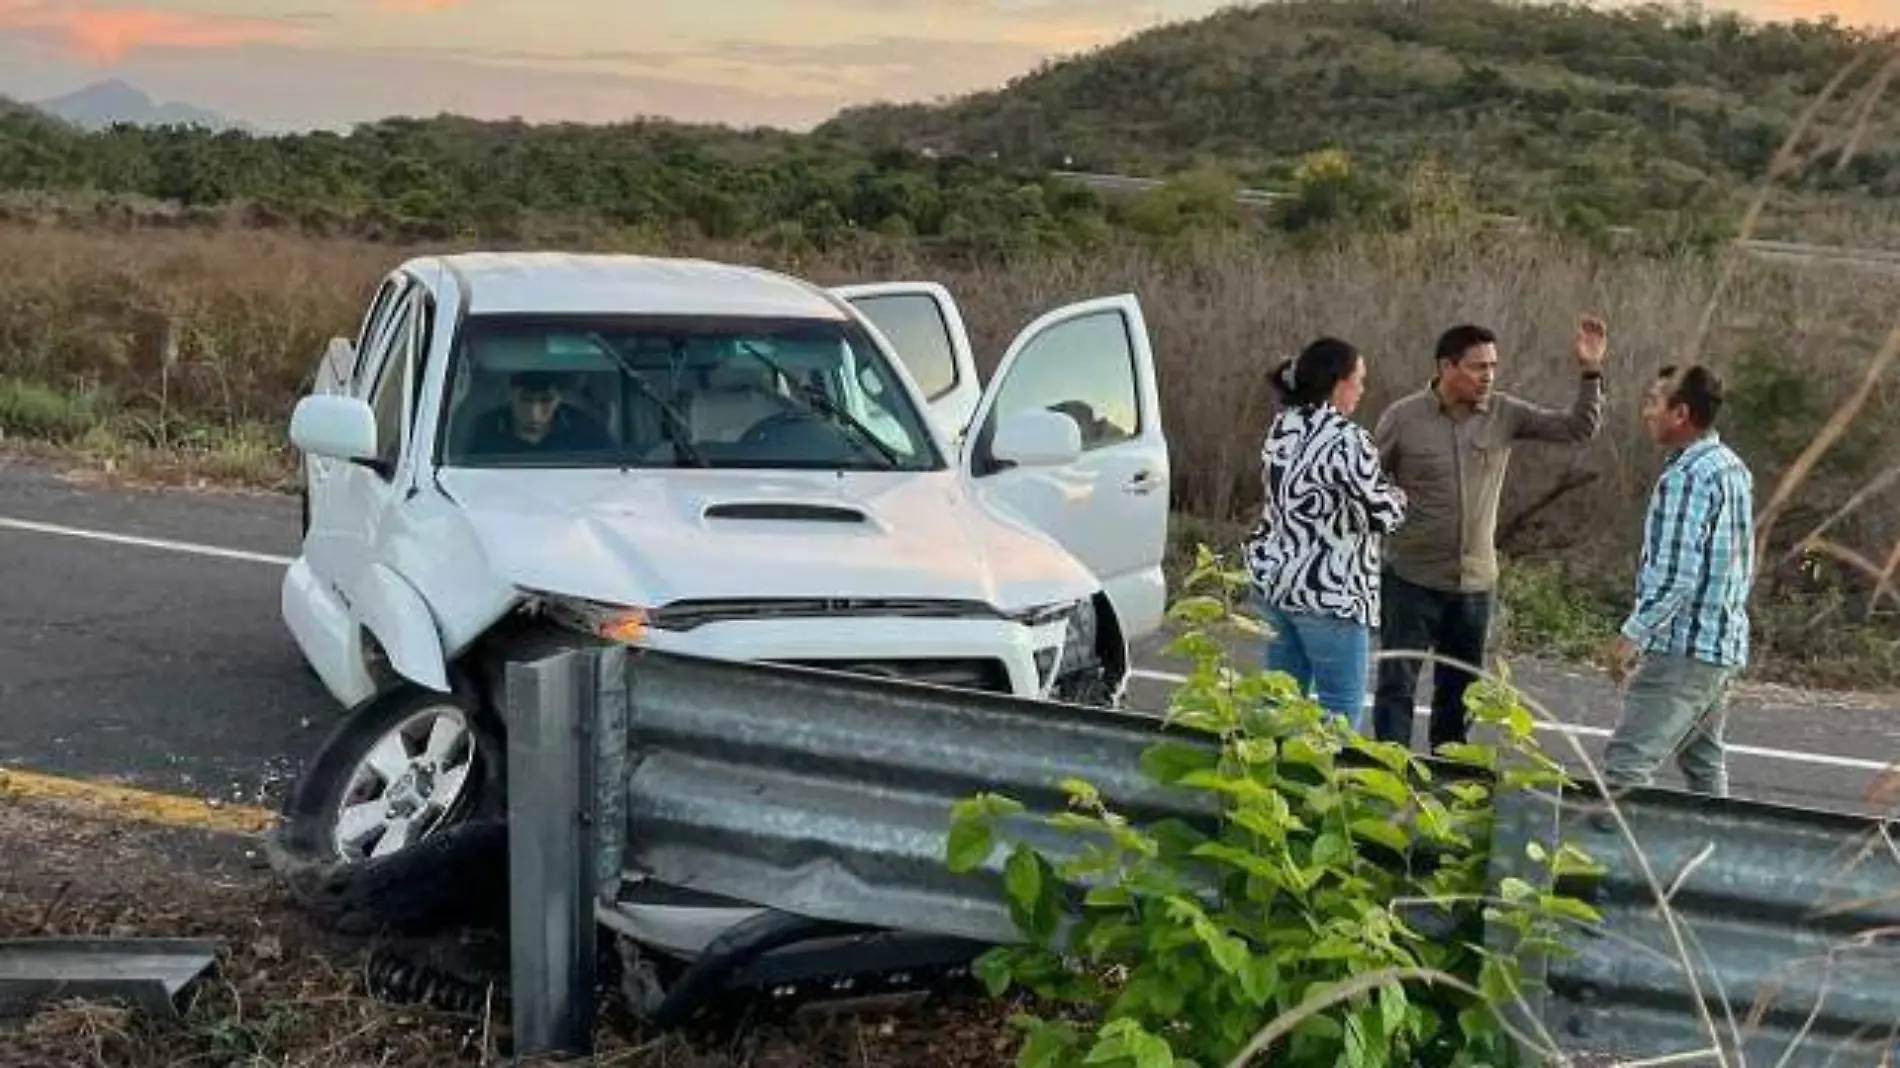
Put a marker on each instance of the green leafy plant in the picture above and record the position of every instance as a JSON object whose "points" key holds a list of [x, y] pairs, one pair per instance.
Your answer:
{"points": [[1331, 905]]}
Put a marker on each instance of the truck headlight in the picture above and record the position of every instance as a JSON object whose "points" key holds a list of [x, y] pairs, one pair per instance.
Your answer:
{"points": [[1044, 614], [612, 622]]}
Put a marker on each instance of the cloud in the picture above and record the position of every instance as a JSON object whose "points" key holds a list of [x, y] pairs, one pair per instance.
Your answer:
{"points": [[840, 72], [102, 34], [284, 87], [413, 7], [1849, 12]]}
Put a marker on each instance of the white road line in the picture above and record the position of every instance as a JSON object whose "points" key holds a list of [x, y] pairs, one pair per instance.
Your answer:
{"points": [[191, 548], [219, 552], [1793, 756]]}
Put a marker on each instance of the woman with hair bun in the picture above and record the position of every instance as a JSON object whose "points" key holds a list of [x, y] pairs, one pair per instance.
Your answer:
{"points": [[1314, 556]]}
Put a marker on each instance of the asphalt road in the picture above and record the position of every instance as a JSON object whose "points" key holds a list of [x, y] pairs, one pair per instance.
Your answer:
{"points": [[164, 663]]}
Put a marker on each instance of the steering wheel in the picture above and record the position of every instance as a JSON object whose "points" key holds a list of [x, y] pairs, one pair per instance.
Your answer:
{"points": [[762, 431]]}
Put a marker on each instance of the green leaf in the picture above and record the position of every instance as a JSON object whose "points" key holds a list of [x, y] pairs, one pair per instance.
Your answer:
{"points": [[1048, 1044], [993, 970], [1034, 903], [1022, 878], [1228, 952], [1332, 850], [1392, 755], [970, 843], [1270, 816], [1300, 750], [1321, 1026], [1574, 861], [1392, 1005], [1168, 762], [1152, 1051], [1107, 1048], [1356, 1053], [1259, 980], [1105, 940], [1236, 786], [1436, 822], [1256, 751], [972, 828], [1515, 890], [1383, 833], [1077, 822], [1480, 756], [1469, 793], [1494, 983], [1175, 837], [1081, 792], [1381, 784], [1251, 863], [1571, 908]]}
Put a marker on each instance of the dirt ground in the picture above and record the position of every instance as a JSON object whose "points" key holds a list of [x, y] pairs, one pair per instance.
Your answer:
{"points": [[284, 993]]}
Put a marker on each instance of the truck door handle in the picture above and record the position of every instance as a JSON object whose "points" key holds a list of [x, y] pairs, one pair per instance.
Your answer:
{"points": [[1143, 483]]}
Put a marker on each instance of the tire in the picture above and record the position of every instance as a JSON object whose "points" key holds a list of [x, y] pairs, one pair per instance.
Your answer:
{"points": [[455, 873]]}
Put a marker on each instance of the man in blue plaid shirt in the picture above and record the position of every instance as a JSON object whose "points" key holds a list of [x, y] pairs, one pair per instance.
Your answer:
{"points": [[1689, 626]]}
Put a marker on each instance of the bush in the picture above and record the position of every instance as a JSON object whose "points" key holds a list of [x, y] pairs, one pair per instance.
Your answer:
{"points": [[1338, 901]]}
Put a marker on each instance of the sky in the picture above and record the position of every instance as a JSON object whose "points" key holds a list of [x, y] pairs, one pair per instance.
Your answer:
{"points": [[290, 64]]}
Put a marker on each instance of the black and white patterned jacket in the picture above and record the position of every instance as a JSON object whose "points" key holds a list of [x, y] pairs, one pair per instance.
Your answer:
{"points": [[1317, 548]]}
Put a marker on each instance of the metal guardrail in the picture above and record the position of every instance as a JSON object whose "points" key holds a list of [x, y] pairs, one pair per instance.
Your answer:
{"points": [[824, 799], [1791, 917]]}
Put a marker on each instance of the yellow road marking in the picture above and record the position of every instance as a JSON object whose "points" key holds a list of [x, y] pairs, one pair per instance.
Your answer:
{"points": [[112, 801]]}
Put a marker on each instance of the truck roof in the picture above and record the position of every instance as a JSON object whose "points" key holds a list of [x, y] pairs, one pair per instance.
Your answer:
{"points": [[625, 284]]}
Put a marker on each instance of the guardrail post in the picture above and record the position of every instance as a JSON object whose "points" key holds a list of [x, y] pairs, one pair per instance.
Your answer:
{"points": [[551, 704], [1520, 817]]}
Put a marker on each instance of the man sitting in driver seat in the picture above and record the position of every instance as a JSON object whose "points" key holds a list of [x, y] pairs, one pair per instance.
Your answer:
{"points": [[537, 419]]}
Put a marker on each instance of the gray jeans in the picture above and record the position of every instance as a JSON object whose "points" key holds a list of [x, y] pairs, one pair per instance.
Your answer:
{"points": [[1674, 704]]}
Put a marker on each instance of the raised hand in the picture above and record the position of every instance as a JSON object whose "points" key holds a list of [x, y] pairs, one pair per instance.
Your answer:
{"points": [[1593, 343]]}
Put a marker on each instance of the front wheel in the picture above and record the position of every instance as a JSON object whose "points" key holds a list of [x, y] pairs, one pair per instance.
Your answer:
{"points": [[398, 822]]}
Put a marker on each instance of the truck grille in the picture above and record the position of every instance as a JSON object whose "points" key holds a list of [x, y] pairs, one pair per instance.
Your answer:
{"points": [[989, 676]]}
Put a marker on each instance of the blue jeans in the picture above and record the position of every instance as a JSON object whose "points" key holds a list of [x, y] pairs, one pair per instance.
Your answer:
{"points": [[1326, 655]]}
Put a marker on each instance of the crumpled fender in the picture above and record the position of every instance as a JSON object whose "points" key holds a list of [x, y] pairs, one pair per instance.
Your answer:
{"points": [[402, 624]]}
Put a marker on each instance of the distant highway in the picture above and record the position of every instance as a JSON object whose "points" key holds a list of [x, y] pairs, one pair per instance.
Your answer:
{"points": [[1877, 259]]}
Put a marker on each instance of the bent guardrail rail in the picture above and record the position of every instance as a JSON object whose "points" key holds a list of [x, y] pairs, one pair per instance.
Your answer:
{"points": [[828, 797], [1791, 917]]}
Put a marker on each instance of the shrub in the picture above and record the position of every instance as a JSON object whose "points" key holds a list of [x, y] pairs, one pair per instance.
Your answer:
{"points": [[1341, 890]]}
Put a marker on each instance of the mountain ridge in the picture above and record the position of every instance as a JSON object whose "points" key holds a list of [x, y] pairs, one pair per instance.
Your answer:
{"points": [[1536, 102], [102, 104]]}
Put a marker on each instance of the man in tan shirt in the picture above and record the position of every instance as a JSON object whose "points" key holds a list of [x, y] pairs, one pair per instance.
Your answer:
{"points": [[1448, 446]]}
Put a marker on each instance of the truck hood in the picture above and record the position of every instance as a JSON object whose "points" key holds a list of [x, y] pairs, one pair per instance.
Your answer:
{"points": [[652, 537]]}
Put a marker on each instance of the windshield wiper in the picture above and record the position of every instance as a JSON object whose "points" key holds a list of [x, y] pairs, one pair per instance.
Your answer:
{"points": [[816, 399], [680, 431]]}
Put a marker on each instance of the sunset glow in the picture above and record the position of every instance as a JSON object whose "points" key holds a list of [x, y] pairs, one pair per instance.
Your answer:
{"points": [[294, 63]]}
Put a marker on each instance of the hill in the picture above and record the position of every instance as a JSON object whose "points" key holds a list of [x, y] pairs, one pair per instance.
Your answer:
{"points": [[1553, 108], [103, 104], [1365, 109]]}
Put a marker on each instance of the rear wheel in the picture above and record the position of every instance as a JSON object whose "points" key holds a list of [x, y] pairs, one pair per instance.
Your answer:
{"points": [[398, 822]]}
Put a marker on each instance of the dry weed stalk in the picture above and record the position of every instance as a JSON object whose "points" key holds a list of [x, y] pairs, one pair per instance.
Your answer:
{"points": [[1663, 897], [1785, 162], [1837, 424], [1283, 1025]]}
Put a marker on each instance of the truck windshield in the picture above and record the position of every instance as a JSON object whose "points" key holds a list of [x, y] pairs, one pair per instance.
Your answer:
{"points": [[667, 393]]}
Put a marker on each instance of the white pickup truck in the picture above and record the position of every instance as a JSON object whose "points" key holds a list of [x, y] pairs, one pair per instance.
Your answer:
{"points": [[700, 457]]}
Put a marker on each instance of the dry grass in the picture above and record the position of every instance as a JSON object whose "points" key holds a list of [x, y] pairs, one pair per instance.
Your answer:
{"points": [[87, 321], [284, 994]]}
